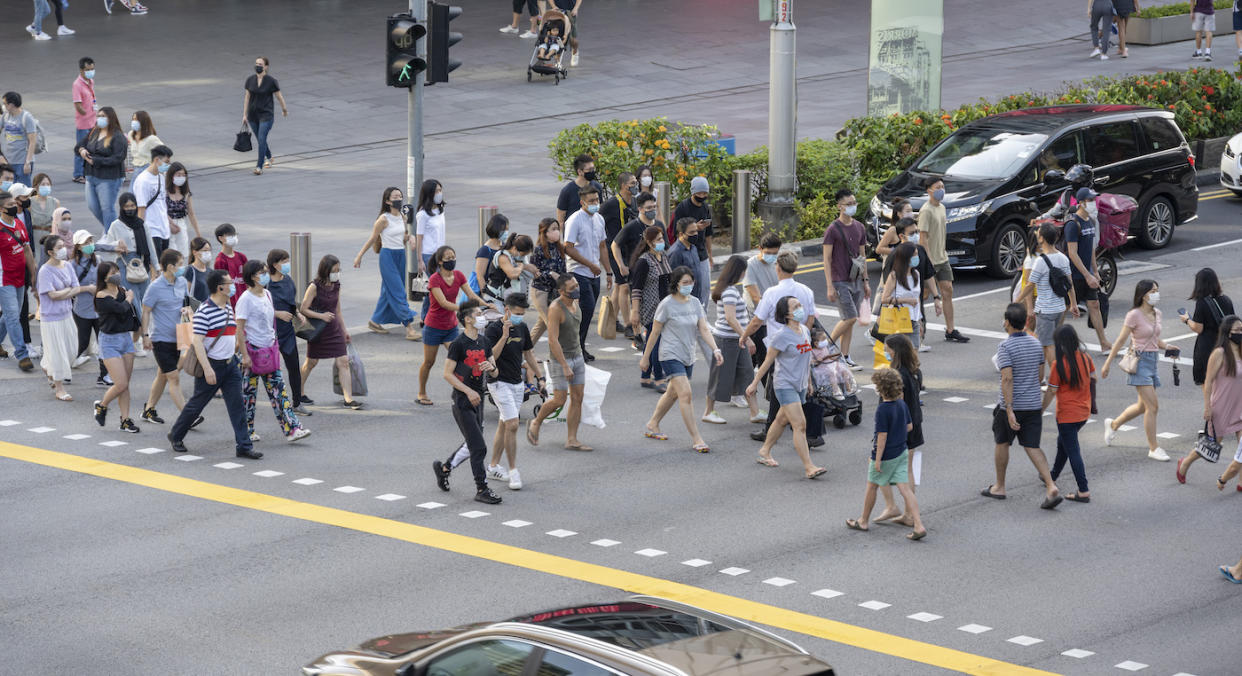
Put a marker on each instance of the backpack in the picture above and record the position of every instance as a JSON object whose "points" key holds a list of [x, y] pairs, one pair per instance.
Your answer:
{"points": [[1057, 279], [40, 138]]}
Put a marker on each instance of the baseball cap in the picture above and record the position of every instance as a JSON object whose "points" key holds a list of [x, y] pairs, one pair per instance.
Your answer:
{"points": [[80, 237], [1085, 194]]}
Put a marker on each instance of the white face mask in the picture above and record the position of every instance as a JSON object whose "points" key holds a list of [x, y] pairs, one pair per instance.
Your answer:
{"points": [[205, 256], [334, 276], [1092, 209], [1153, 297], [231, 240], [646, 181], [439, 198], [480, 322], [62, 254], [178, 181]]}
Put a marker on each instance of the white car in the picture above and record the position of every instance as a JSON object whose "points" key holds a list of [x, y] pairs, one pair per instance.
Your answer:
{"points": [[1231, 165]]}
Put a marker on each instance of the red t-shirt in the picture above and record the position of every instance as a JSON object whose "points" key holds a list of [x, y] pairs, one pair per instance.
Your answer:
{"points": [[234, 266], [438, 317], [1073, 403], [13, 253]]}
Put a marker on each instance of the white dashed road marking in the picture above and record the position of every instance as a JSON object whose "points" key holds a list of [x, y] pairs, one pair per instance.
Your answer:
{"points": [[1130, 665], [561, 533], [827, 593], [474, 514], [956, 400], [268, 473], [228, 465], [734, 571], [974, 628], [77, 437], [1025, 640], [390, 497], [9, 423], [517, 523], [924, 617], [150, 451], [348, 489], [605, 542], [1077, 653], [696, 563], [114, 443], [874, 605], [431, 505], [1168, 435], [1126, 428], [188, 458], [41, 430], [779, 581], [650, 553], [307, 481]]}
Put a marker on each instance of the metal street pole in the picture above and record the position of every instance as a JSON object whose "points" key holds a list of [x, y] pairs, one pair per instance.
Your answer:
{"points": [[414, 152], [778, 210]]}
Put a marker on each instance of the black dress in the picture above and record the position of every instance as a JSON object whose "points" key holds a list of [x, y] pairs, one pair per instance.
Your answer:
{"points": [[1208, 312], [910, 394]]}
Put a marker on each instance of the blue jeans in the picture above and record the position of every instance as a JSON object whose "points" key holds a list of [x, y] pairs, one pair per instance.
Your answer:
{"points": [[11, 306], [79, 167], [101, 196], [19, 163], [229, 383], [655, 370], [1068, 449], [426, 298], [41, 10], [260, 130], [589, 286]]}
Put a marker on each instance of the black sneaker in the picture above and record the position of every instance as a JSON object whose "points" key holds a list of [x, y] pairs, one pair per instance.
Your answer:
{"points": [[761, 435], [307, 400], [955, 337], [587, 356], [103, 381], [442, 476], [197, 421], [101, 413], [814, 442], [486, 496], [127, 425], [177, 446], [629, 332], [150, 415]]}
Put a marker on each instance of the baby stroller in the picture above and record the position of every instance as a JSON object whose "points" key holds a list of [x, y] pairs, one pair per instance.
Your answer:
{"points": [[552, 65], [838, 406]]}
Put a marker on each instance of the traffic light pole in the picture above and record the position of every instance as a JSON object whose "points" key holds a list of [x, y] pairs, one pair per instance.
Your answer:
{"points": [[414, 151]]}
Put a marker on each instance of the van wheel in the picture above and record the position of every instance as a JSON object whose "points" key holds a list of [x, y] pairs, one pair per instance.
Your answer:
{"points": [[1156, 221], [1008, 251]]}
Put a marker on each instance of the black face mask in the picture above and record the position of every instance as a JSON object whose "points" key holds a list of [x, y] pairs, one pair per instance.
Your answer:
{"points": [[574, 295], [258, 70], [114, 280], [1235, 338], [129, 213], [449, 265], [396, 204], [588, 175], [11, 211]]}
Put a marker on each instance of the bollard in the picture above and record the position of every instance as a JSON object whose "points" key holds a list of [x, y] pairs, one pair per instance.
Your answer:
{"points": [[741, 210], [300, 260], [664, 194], [485, 215]]}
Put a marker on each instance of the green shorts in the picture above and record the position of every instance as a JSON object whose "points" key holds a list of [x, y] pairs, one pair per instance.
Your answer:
{"points": [[892, 472], [944, 272]]}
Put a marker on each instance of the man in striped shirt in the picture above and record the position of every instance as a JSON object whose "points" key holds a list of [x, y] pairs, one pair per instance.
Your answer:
{"points": [[1018, 413], [215, 345]]}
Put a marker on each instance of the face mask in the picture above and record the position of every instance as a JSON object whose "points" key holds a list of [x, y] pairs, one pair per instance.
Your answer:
{"points": [[439, 198], [823, 345], [517, 320], [888, 356], [1235, 338], [573, 295], [685, 289], [913, 239], [334, 277], [480, 322], [88, 249], [396, 204], [135, 125], [649, 214], [163, 168], [45, 190], [851, 210], [205, 256], [1153, 297], [770, 259], [101, 122], [180, 270], [114, 280], [633, 190], [285, 269], [231, 240], [659, 246], [10, 211], [264, 279], [646, 181], [130, 213], [178, 181], [5, 185], [89, 74], [914, 261], [699, 200], [589, 175], [799, 315], [1092, 209], [62, 254], [938, 194], [449, 265], [258, 70], [592, 209], [504, 236]]}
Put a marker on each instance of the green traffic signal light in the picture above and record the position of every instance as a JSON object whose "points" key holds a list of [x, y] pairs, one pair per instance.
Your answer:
{"points": [[403, 61]]}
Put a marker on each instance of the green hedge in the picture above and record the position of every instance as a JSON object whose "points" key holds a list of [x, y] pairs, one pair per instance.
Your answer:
{"points": [[1177, 8]]}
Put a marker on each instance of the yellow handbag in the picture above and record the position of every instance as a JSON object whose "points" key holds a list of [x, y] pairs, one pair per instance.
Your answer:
{"points": [[880, 360], [895, 320]]}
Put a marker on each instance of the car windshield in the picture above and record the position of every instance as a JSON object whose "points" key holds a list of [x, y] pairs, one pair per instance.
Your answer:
{"points": [[981, 154], [636, 626]]}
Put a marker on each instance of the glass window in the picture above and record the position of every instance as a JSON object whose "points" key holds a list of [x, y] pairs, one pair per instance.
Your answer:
{"points": [[982, 154], [484, 658], [560, 664], [1060, 155], [1111, 143], [1161, 133]]}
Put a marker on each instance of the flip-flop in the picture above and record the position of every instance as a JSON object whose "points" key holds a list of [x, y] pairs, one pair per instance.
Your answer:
{"points": [[1181, 476], [531, 436], [852, 524], [424, 401], [817, 473], [375, 328], [883, 519], [702, 448], [658, 436], [1074, 497], [64, 396], [916, 536], [1224, 570], [767, 462], [1051, 503], [578, 447], [649, 385], [987, 493]]}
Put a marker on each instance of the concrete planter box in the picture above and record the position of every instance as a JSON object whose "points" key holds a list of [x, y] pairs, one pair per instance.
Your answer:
{"points": [[1168, 29], [1207, 152]]}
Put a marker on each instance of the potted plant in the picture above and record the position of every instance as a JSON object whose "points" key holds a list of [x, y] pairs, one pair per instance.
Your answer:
{"points": [[1163, 24]]}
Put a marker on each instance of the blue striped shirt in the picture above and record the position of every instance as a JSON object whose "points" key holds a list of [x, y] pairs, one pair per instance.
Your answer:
{"points": [[212, 322], [1022, 353]]}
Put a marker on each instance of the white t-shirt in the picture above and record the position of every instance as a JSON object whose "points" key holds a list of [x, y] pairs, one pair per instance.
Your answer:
{"points": [[260, 318], [1047, 302], [766, 309], [431, 227], [585, 232], [148, 186]]}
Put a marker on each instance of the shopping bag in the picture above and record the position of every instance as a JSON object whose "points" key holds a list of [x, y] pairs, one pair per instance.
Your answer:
{"points": [[592, 398], [895, 320], [185, 336], [606, 327], [357, 375], [242, 144], [1207, 445], [880, 360], [418, 287], [864, 314]]}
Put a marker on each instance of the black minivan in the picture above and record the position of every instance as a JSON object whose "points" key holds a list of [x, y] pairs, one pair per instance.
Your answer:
{"points": [[993, 170]]}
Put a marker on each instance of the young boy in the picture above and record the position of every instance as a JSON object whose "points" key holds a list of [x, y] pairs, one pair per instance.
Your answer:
{"points": [[552, 45], [889, 458], [230, 259]]}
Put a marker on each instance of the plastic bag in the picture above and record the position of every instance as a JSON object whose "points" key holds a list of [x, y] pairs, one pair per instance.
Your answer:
{"points": [[864, 313], [592, 398], [358, 375]]}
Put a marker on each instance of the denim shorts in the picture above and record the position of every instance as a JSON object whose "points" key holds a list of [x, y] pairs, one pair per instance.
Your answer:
{"points": [[112, 345], [674, 367], [1148, 370], [434, 336], [786, 396]]}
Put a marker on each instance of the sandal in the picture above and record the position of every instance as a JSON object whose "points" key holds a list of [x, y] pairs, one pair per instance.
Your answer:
{"points": [[530, 434], [702, 448], [658, 436], [1074, 497], [853, 524], [376, 328], [79, 179], [1181, 476], [424, 400], [1224, 570], [578, 446], [767, 462], [64, 396], [1221, 483], [257, 171], [817, 473], [916, 535]]}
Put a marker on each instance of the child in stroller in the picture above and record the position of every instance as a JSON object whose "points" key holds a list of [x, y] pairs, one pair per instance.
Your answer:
{"points": [[552, 44], [835, 387], [549, 54]]}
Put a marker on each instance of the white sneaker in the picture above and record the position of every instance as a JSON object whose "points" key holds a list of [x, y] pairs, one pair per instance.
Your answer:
{"points": [[497, 472], [42, 36], [1095, 52], [739, 401], [1103, 57], [526, 36], [139, 351], [515, 481], [34, 352], [759, 418], [254, 436], [32, 31], [65, 30], [713, 419], [298, 434], [508, 29], [81, 360], [924, 347], [1109, 432], [1158, 454], [573, 60]]}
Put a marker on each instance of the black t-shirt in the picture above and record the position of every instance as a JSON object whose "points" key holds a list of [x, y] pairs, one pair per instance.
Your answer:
{"points": [[698, 213], [261, 108], [509, 365], [570, 201], [469, 356], [631, 236], [615, 217]]}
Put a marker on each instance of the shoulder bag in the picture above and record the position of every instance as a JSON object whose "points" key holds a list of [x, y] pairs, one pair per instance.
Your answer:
{"points": [[136, 271], [242, 144], [1206, 445], [858, 264], [190, 363], [1129, 363], [264, 360]]}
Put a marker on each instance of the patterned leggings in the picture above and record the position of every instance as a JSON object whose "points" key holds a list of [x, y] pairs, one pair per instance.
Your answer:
{"points": [[277, 394]]}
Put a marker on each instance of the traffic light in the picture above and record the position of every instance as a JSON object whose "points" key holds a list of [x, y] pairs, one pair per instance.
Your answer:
{"points": [[438, 17], [404, 32]]}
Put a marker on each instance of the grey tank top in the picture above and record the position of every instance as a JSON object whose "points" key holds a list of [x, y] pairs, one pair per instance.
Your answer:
{"points": [[568, 337]]}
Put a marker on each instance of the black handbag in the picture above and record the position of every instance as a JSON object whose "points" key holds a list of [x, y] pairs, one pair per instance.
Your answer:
{"points": [[1206, 445], [311, 329], [243, 144]]}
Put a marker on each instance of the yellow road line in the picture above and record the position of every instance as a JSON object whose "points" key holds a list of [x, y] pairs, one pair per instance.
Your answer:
{"points": [[762, 613]]}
